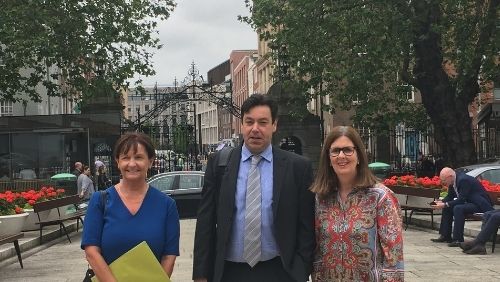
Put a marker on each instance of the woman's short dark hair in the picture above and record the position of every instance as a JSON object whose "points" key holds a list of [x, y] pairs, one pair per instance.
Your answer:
{"points": [[259, 100], [326, 182], [130, 140], [100, 169]]}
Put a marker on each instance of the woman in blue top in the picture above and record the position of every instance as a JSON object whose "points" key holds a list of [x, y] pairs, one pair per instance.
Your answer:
{"points": [[133, 212]]}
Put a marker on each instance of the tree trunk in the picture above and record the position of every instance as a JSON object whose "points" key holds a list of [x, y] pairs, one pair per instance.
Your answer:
{"points": [[447, 109]]}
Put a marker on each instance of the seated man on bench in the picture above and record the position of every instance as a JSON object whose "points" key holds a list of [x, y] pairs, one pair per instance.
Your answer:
{"points": [[465, 196], [491, 222]]}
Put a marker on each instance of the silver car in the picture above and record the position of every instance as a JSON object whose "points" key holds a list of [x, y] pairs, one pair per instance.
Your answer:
{"points": [[490, 172], [183, 186]]}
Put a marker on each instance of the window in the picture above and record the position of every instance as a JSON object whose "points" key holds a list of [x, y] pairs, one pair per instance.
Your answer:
{"points": [[190, 181], [163, 183], [6, 108], [146, 108], [492, 175]]}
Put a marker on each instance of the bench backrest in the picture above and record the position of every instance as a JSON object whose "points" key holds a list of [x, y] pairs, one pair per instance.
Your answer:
{"points": [[420, 192], [56, 203]]}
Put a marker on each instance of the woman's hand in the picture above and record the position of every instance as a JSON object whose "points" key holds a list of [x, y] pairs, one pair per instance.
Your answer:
{"points": [[98, 264]]}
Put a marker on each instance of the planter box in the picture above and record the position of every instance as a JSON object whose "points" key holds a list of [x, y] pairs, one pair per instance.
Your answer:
{"points": [[12, 224]]}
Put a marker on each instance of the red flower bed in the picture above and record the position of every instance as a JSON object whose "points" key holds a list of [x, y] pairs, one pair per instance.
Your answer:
{"points": [[434, 182], [14, 202], [412, 181], [491, 187]]}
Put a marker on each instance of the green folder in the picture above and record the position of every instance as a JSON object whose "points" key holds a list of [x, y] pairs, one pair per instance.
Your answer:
{"points": [[138, 264]]}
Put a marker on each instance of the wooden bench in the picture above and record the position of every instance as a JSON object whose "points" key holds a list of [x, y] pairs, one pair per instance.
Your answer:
{"points": [[14, 239], [62, 217], [415, 200]]}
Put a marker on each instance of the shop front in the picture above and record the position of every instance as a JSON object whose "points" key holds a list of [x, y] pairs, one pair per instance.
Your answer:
{"points": [[34, 148]]}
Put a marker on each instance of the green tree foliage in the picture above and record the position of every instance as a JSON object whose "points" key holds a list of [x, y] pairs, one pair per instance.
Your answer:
{"points": [[92, 47], [182, 137], [373, 52]]}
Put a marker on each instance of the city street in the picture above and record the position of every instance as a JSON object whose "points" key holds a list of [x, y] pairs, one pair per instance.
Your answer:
{"points": [[424, 261]]}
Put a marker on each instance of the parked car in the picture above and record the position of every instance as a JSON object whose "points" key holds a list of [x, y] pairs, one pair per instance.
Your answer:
{"points": [[183, 186], [490, 172]]}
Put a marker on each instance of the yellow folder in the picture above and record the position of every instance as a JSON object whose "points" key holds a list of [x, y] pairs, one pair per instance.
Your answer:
{"points": [[138, 264]]}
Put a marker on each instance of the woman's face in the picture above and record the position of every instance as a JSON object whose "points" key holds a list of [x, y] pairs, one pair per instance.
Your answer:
{"points": [[87, 172], [134, 165], [344, 158]]}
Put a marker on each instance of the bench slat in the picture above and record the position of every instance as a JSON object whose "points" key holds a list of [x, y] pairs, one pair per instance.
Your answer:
{"points": [[55, 203], [10, 238]]}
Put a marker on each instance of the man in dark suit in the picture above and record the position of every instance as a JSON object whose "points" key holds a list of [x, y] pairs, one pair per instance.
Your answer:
{"points": [[465, 196], [286, 231], [491, 223]]}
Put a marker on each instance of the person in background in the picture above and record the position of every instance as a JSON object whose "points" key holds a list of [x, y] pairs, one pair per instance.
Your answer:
{"points": [[358, 224], [491, 223], [27, 174], [133, 212], [466, 195], [78, 169], [87, 185], [256, 220], [4, 174], [103, 181]]}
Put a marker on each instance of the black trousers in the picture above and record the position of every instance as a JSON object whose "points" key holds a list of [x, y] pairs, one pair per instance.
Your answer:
{"points": [[456, 216], [265, 271], [491, 222]]}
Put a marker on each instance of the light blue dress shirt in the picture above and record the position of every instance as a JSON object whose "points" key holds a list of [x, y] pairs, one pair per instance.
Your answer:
{"points": [[268, 240]]}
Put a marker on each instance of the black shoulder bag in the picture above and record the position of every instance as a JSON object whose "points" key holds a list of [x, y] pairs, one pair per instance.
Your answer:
{"points": [[90, 273]]}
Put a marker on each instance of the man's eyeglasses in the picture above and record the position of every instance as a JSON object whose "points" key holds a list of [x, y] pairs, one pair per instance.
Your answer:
{"points": [[348, 151]]}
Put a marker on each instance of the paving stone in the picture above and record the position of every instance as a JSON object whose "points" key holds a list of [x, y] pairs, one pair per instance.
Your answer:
{"points": [[58, 260]]}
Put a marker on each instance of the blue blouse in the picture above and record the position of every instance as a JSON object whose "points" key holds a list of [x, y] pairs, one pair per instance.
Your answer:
{"points": [[156, 222]]}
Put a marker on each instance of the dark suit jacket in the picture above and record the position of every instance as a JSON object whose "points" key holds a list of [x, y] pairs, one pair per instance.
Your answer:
{"points": [[293, 209], [470, 190]]}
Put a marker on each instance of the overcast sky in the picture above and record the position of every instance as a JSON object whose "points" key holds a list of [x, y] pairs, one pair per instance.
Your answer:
{"points": [[201, 30]]}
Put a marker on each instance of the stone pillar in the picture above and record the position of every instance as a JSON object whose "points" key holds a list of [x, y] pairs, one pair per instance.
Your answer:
{"points": [[295, 120]]}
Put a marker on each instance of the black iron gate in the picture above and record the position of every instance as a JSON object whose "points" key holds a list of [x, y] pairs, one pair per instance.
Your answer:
{"points": [[175, 146], [408, 150]]}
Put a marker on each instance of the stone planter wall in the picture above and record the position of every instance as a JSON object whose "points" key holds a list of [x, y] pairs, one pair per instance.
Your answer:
{"points": [[12, 224]]}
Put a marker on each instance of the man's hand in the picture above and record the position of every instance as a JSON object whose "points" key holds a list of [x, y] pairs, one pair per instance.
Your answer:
{"points": [[439, 205]]}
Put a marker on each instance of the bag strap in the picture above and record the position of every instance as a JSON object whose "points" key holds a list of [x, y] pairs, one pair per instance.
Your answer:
{"points": [[103, 197], [225, 155]]}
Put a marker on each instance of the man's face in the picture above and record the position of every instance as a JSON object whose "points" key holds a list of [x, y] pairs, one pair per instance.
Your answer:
{"points": [[446, 179], [257, 128]]}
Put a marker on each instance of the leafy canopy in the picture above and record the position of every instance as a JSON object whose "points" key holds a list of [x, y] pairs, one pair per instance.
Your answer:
{"points": [[362, 52], [76, 47]]}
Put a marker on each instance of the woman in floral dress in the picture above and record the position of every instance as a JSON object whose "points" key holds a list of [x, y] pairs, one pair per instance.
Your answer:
{"points": [[358, 224]]}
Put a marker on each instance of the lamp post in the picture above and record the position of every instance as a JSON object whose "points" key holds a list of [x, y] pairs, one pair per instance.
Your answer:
{"points": [[194, 74]]}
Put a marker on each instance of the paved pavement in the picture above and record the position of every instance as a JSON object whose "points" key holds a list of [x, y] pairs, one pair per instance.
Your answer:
{"points": [[424, 260]]}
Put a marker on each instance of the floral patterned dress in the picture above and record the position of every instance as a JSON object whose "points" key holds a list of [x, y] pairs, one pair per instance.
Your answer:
{"points": [[361, 239]]}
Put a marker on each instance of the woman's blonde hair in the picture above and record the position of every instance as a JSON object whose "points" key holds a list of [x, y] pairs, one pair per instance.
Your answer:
{"points": [[326, 181]]}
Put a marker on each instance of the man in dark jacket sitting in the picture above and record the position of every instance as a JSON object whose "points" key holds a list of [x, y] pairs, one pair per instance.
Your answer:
{"points": [[465, 196], [491, 223]]}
